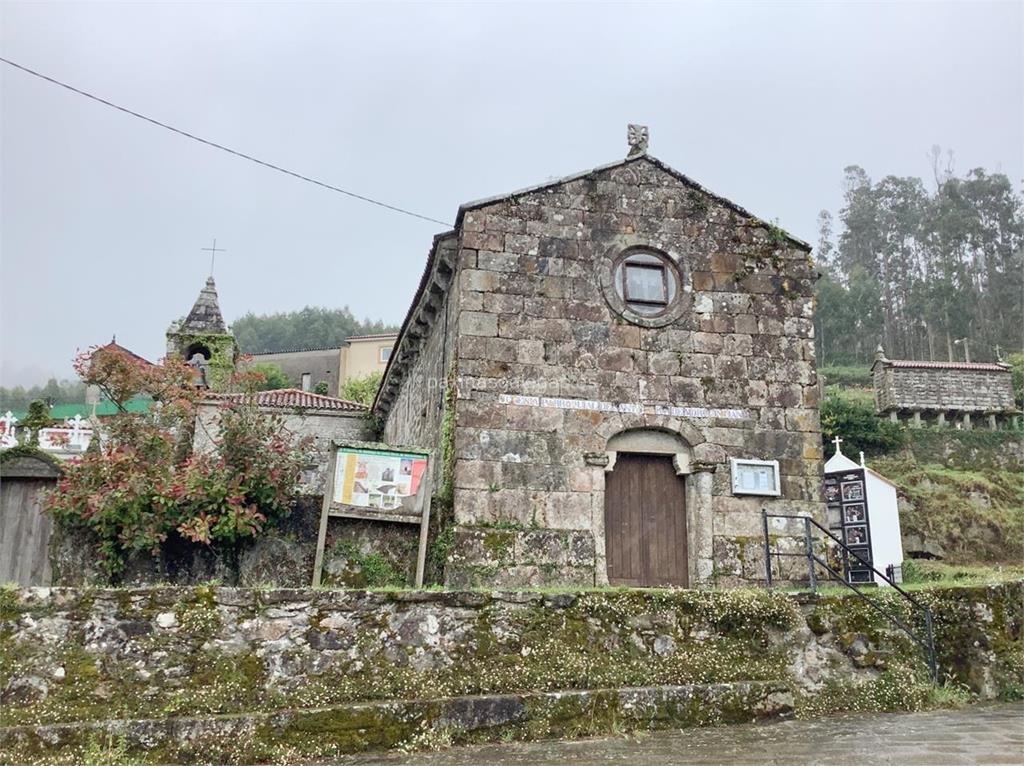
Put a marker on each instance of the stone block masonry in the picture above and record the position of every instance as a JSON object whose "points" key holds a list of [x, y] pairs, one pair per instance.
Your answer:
{"points": [[943, 393], [238, 675], [536, 314]]}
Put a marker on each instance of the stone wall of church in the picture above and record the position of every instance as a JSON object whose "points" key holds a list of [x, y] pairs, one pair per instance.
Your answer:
{"points": [[535, 321], [414, 419]]}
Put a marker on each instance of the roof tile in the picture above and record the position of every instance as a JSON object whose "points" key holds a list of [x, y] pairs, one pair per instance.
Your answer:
{"points": [[293, 398], [984, 366]]}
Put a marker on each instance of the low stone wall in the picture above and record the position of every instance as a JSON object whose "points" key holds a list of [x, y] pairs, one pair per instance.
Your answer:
{"points": [[336, 671], [283, 735], [357, 554]]}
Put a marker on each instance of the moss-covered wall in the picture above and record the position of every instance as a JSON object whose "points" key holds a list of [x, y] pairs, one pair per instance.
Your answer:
{"points": [[79, 655], [976, 450], [358, 554], [223, 352]]}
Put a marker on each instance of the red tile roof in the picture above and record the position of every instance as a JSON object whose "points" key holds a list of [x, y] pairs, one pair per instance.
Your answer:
{"points": [[985, 366], [115, 346], [293, 398]]}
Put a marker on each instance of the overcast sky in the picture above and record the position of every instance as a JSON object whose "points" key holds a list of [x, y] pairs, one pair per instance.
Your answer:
{"points": [[425, 107]]}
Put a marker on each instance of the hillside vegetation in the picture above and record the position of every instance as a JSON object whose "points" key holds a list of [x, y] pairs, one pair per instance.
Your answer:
{"points": [[312, 327], [961, 492], [961, 516]]}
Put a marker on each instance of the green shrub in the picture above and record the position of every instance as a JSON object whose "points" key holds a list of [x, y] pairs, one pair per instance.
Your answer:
{"points": [[108, 751], [144, 486], [38, 417], [274, 377], [1017, 371], [362, 390], [851, 416]]}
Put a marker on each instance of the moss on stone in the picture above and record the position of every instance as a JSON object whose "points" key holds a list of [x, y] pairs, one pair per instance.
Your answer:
{"points": [[547, 641], [499, 544], [198, 614], [365, 569], [10, 606], [349, 730], [223, 350]]}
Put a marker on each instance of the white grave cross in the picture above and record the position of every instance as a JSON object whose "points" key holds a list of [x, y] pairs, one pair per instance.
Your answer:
{"points": [[81, 432], [7, 437]]}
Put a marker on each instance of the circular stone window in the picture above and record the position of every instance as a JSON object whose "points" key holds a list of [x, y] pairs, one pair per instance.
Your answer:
{"points": [[644, 285]]}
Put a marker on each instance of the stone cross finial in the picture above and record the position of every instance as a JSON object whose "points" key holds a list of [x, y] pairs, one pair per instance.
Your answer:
{"points": [[837, 441], [637, 136]]}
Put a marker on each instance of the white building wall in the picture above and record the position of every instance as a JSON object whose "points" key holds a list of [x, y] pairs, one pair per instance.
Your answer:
{"points": [[884, 517]]}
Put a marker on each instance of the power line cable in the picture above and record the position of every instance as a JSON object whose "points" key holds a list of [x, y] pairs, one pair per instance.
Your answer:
{"points": [[223, 148]]}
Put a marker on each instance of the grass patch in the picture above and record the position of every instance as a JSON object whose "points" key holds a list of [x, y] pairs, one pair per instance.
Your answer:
{"points": [[922, 573], [847, 376]]}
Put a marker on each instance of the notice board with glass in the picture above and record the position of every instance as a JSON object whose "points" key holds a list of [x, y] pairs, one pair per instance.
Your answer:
{"points": [[376, 483]]}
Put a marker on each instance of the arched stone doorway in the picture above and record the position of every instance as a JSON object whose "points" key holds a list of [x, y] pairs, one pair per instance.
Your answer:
{"points": [[646, 534]]}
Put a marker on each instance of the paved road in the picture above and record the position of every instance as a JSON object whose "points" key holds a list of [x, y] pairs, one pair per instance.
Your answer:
{"points": [[983, 734]]}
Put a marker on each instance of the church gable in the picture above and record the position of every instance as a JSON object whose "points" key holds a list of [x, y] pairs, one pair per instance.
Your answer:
{"points": [[636, 186], [548, 264]]}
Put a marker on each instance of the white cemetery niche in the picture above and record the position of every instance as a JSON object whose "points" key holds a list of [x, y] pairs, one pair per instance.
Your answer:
{"points": [[863, 511]]}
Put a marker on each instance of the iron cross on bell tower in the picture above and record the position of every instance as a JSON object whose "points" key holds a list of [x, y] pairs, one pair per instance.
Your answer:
{"points": [[213, 253]]}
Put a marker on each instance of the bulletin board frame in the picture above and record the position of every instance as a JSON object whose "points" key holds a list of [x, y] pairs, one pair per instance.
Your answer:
{"points": [[386, 510]]}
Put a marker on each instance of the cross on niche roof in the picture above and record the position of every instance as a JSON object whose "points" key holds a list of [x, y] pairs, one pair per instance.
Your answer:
{"points": [[837, 441], [213, 253]]}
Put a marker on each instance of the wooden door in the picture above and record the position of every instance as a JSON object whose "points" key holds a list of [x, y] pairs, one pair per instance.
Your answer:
{"points": [[645, 522], [24, 532]]}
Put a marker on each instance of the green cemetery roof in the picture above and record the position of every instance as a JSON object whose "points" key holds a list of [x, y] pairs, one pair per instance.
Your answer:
{"points": [[61, 412]]}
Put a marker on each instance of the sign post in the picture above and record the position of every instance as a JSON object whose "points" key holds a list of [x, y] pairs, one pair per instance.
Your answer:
{"points": [[376, 483]]}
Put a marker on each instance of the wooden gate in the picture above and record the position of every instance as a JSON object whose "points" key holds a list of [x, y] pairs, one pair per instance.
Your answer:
{"points": [[24, 528], [645, 522]]}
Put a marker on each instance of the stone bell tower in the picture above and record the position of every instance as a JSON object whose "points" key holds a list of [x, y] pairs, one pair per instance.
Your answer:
{"points": [[204, 341]]}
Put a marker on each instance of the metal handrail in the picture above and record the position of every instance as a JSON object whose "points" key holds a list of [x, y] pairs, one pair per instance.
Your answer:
{"points": [[927, 643]]}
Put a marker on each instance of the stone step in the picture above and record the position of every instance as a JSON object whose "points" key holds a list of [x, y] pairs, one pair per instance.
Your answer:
{"points": [[357, 727]]}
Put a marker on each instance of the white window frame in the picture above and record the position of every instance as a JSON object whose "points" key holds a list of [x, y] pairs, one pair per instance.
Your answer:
{"points": [[736, 464], [384, 354]]}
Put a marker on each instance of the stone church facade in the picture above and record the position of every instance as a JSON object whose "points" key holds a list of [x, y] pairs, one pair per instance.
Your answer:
{"points": [[593, 362]]}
